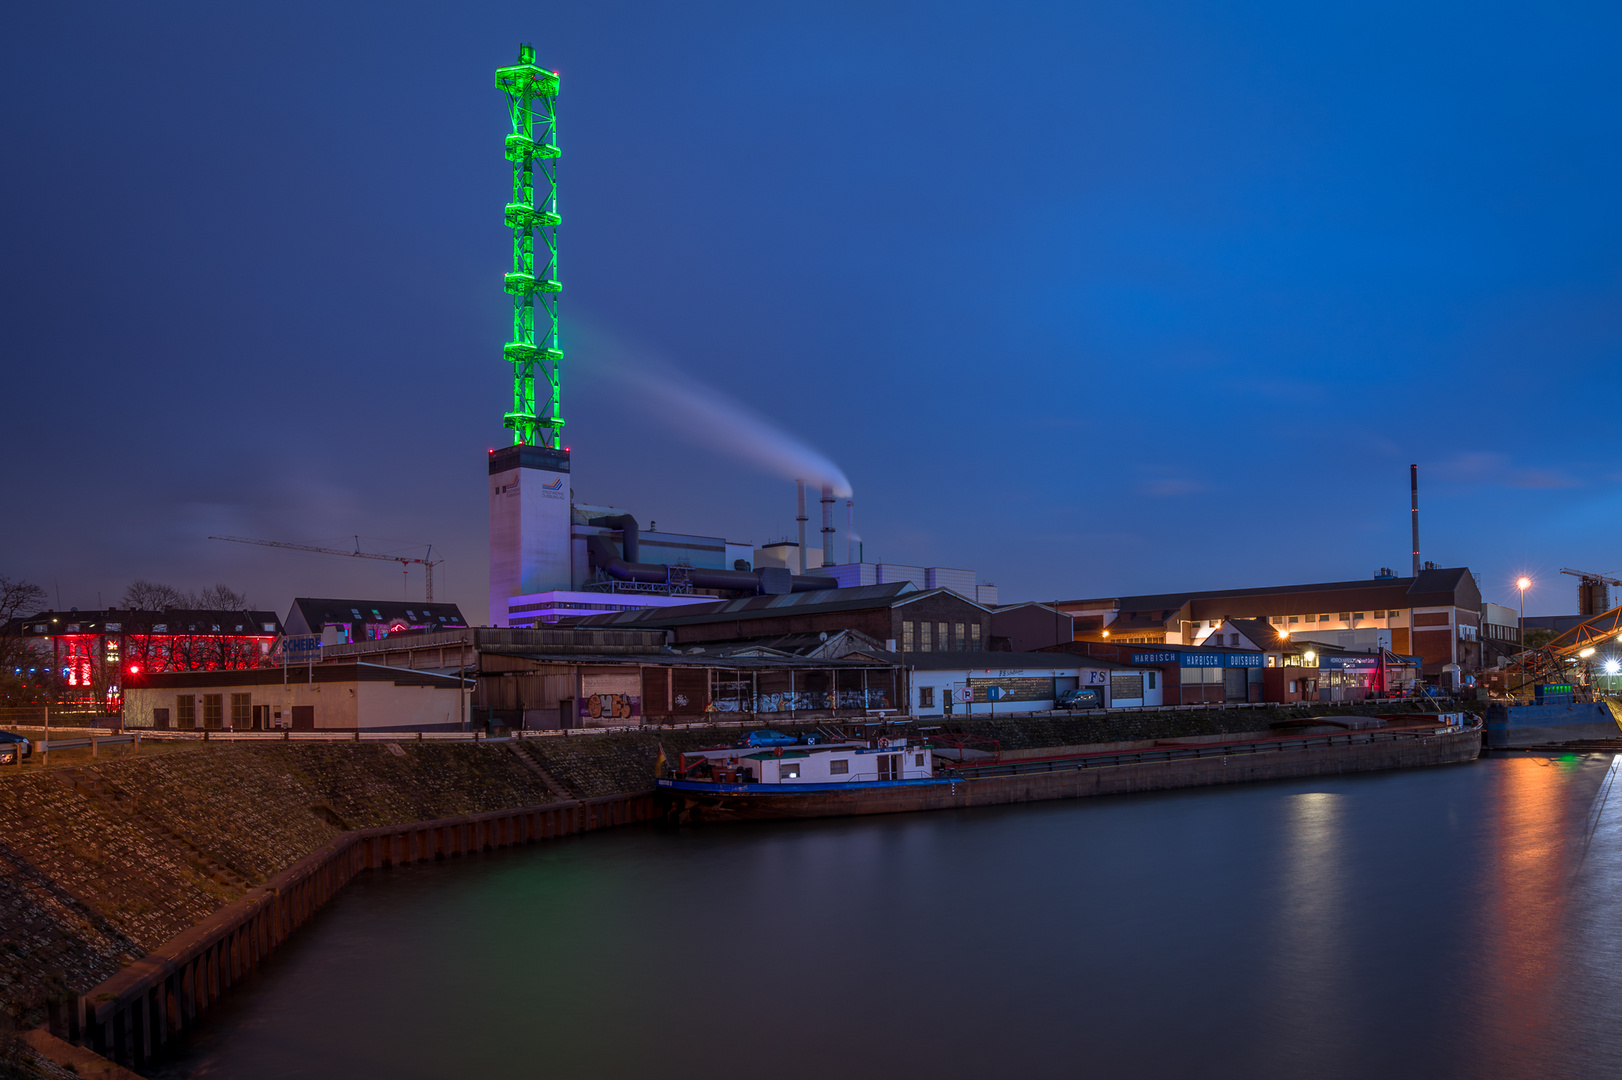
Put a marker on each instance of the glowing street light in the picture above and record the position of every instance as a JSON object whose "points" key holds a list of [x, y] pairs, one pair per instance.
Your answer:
{"points": [[1586, 653], [1522, 583], [1612, 666]]}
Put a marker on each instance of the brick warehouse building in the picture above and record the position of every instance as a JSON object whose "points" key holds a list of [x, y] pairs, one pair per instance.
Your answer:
{"points": [[902, 616], [1436, 615]]}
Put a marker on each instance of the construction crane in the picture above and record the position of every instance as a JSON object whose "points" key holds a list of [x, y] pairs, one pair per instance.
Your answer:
{"points": [[1551, 663], [427, 562], [1593, 596]]}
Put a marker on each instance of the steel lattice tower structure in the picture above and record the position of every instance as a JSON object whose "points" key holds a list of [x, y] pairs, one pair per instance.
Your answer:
{"points": [[532, 214]]}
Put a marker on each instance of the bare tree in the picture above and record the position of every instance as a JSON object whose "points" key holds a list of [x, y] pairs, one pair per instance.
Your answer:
{"points": [[221, 597], [23, 672], [144, 595]]}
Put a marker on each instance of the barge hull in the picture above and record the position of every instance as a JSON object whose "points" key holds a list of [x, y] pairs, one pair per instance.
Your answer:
{"points": [[1116, 774]]}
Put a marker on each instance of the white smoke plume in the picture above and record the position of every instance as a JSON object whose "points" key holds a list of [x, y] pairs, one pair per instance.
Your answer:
{"points": [[706, 415]]}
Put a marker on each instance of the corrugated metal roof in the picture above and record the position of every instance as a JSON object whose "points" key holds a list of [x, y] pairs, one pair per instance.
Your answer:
{"points": [[1440, 580], [861, 596]]}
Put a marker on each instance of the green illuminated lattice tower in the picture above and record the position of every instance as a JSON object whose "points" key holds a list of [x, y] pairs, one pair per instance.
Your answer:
{"points": [[532, 214]]}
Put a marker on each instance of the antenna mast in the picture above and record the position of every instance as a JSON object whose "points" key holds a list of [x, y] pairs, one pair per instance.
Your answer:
{"points": [[533, 213]]}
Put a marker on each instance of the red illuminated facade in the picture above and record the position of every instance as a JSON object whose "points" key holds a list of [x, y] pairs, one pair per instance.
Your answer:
{"points": [[94, 654]]}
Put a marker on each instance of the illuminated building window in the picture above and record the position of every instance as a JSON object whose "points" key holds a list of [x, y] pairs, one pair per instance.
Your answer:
{"points": [[957, 637], [974, 637], [906, 636], [924, 631], [926, 695]]}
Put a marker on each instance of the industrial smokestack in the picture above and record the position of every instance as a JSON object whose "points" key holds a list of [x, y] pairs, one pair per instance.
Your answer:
{"points": [[800, 484], [1413, 485], [827, 525], [850, 531]]}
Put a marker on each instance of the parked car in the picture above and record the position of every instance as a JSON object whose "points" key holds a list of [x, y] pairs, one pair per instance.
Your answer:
{"points": [[11, 744], [1088, 697], [767, 737]]}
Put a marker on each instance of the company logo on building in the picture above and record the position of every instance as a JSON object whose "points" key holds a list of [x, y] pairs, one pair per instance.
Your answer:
{"points": [[556, 485]]}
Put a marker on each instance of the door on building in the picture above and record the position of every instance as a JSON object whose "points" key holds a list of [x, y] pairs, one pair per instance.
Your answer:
{"points": [[1235, 684], [889, 766], [303, 717], [261, 717]]}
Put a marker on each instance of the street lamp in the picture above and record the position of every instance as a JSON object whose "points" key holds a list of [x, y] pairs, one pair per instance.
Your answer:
{"points": [[1522, 583]]}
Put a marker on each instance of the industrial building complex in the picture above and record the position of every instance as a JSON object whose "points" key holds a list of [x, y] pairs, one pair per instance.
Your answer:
{"points": [[598, 621]]}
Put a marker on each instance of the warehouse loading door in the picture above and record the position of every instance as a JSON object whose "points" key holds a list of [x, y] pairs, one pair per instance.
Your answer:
{"points": [[303, 717], [1236, 684]]}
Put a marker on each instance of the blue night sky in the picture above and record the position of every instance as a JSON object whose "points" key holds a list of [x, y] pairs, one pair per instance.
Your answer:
{"points": [[1092, 298]]}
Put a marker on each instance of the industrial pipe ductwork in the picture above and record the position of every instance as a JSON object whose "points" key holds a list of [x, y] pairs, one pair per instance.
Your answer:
{"points": [[629, 530], [770, 580]]}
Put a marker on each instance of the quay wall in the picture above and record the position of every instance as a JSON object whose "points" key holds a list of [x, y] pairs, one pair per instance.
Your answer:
{"points": [[132, 1017]]}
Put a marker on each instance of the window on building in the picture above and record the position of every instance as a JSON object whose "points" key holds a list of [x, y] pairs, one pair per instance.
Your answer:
{"points": [[1357, 616], [1393, 614], [213, 711], [1345, 616], [944, 640], [906, 635], [925, 632], [957, 636], [926, 695], [1278, 619], [1150, 675], [974, 637], [788, 770], [1295, 619], [838, 767], [918, 760], [241, 711], [186, 711]]}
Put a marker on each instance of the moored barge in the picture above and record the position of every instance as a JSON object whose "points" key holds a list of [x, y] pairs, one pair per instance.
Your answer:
{"points": [[800, 781]]}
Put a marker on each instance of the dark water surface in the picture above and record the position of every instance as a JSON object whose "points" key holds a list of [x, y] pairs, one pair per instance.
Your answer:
{"points": [[1455, 922]]}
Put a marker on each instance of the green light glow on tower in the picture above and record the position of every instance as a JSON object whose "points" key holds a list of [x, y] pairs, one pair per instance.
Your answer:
{"points": [[533, 213]]}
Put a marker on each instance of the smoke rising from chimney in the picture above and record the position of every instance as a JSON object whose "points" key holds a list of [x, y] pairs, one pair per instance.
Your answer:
{"points": [[706, 415]]}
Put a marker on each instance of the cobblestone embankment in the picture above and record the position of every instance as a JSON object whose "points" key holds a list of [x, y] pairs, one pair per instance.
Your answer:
{"points": [[101, 863]]}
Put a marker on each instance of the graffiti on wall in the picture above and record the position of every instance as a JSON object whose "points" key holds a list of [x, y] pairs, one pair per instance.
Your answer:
{"points": [[610, 707]]}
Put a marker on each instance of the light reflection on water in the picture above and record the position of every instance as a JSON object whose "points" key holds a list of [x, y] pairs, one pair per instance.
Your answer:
{"points": [[1448, 922]]}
